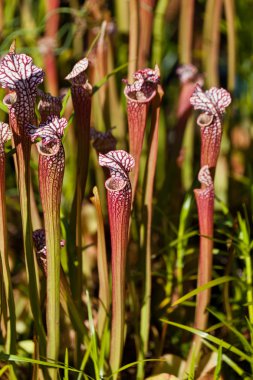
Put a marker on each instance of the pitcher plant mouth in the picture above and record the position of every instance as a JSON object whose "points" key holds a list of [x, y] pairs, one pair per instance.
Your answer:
{"points": [[204, 119], [143, 89], [49, 149], [115, 184]]}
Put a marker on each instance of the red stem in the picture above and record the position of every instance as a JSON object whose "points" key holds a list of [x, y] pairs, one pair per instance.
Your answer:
{"points": [[119, 208]]}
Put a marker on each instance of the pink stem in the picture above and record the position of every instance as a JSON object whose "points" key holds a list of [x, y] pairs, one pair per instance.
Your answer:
{"points": [[119, 196], [119, 208]]}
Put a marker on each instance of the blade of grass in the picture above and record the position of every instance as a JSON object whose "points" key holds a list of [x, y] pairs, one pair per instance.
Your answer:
{"points": [[182, 241], [94, 347], [208, 285], [217, 371], [210, 338], [104, 293], [226, 359], [229, 6]]}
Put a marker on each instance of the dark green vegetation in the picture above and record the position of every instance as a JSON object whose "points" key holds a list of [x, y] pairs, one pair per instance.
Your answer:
{"points": [[214, 35]]}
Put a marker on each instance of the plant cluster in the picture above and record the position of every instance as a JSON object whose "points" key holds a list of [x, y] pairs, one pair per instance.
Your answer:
{"points": [[126, 241]]}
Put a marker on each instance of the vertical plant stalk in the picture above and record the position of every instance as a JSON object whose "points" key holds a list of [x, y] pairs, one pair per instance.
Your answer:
{"points": [[133, 37], [158, 31], [66, 299], [185, 31], [146, 11], [119, 196], [21, 78], [10, 340], [115, 104], [229, 6], [101, 64], [122, 16], [147, 210], [81, 92], [139, 96], [48, 44], [51, 170], [104, 293], [205, 204], [211, 44]]}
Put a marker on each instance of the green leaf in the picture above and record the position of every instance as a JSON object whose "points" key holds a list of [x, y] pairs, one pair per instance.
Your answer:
{"points": [[205, 336], [97, 86], [210, 284], [217, 371]]}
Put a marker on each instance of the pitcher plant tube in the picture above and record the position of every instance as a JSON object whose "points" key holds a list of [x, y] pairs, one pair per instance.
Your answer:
{"points": [[139, 96], [205, 205], [51, 170], [81, 91], [21, 77], [119, 196], [8, 300], [213, 102]]}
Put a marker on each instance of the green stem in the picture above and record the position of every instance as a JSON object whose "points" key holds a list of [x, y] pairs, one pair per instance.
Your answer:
{"points": [[133, 38], [248, 267], [23, 177], [10, 343], [70, 307], [212, 41], [182, 243], [52, 227], [230, 16], [158, 32], [104, 294]]}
